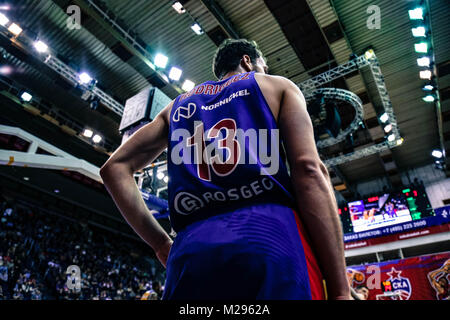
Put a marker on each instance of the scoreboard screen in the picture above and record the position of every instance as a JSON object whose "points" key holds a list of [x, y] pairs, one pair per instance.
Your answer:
{"points": [[385, 210]]}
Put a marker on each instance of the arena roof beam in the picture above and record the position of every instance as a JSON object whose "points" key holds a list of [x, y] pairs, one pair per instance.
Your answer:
{"points": [[121, 35], [219, 15]]}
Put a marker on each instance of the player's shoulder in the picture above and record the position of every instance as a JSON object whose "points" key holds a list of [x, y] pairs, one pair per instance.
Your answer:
{"points": [[275, 81]]}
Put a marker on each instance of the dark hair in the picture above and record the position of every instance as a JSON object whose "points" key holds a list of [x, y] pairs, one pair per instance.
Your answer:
{"points": [[229, 55]]}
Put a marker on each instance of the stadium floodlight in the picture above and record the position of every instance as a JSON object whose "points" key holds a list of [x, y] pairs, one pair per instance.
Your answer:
{"points": [[388, 128], [419, 32], [423, 62], [178, 7], [3, 19], [160, 60], [97, 138], [437, 153], [391, 137], [15, 29], [40, 46], [384, 117], [88, 133], [369, 54], [25, 96], [425, 74], [197, 29], [428, 98], [421, 47], [84, 78], [428, 87], [175, 73], [188, 85], [416, 14], [160, 175]]}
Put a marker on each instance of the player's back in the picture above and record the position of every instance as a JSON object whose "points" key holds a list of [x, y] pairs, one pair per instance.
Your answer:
{"points": [[224, 151]]}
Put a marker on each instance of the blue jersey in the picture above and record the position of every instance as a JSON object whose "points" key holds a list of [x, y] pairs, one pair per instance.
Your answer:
{"points": [[224, 151]]}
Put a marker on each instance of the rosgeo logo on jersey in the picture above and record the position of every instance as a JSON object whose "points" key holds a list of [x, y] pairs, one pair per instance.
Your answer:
{"points": [[222, 147]]}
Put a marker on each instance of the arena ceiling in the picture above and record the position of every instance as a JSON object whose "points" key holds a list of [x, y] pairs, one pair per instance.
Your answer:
{"points": [[300, 39]]}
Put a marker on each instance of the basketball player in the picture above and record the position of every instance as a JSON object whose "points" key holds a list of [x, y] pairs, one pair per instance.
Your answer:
{"points": [[246, 229]]}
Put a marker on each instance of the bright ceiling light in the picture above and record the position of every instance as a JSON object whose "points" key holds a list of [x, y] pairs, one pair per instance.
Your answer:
{"points": [[437, 153], [419, 32], [3, 19], [423, 62], [421, 47], [175, 73], [425, 74], [178, 7], [400, 141], [6, 70], [388, 128], [97, 138], [160, 175], [369, 54], [161, 60], [384, 117], [40, 46], [84, 78], [166, 179], [88, 133], [391, 137], [15, 29], [428, 87], [416, 14], [188, 85], [428, 98], [197, 28], [25, 96]]}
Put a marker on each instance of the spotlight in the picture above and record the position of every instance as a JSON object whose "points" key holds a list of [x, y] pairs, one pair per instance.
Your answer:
{"points": [[25, 96], [97, 138], [15, 29], [423, 62], [419, 32], [384, 117], [421, 47], [391, 137], [160, 60], [6, 70], [428, 98], [197, 29], [175, 73], [160, 175], [88, 133], [428, 87], [425, 74], [388, 128], [416, 14], [178, 7], [3, 19], [40, 46], [84, 78], [188, 85], [369, 54], [437, 153]]}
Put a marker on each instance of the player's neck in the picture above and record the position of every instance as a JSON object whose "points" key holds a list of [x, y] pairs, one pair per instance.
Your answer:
{"points": [[232, 73]]}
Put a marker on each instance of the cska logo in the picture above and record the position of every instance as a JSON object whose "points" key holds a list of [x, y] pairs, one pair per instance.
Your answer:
{"points": [[396, 284]]}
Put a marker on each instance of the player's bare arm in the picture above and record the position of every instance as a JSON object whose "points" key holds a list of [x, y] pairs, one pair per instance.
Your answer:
{"points": [[117, 173]]}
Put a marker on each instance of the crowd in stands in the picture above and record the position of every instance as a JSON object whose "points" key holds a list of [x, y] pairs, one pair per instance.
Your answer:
{"points": [[36, 248]]}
